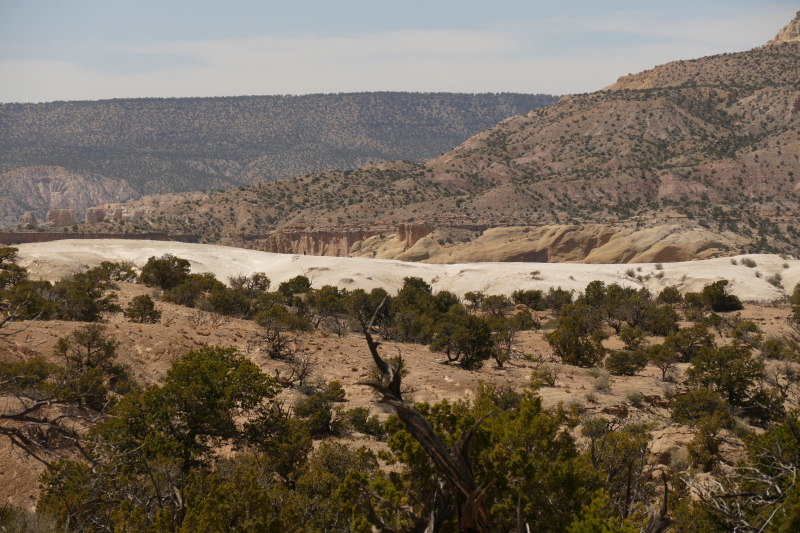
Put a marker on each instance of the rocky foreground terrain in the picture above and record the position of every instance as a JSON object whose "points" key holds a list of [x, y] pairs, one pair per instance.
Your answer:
{"points": [[692, 159], [149, 349]]}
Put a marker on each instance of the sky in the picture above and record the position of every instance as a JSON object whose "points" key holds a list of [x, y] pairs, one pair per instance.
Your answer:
{"points": [[93, 49]]}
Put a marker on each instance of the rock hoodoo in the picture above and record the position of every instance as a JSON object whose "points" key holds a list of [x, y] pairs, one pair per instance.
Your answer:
{"points": [[61, 217], [28, 219]]}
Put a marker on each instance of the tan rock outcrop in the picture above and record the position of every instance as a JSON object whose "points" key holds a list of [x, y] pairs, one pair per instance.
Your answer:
{"points": [[790, 32], [28, 219], [61, 217], [410, 234], [101, 214]]}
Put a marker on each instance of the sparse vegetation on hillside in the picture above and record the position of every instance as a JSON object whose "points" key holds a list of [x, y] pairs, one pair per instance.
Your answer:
{"points": [[176, 144]]}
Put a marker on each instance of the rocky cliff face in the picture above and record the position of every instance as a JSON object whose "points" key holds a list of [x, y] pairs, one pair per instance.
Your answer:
{"points": [[42, 188], [61, 217], [309, 242], [790, 32]]}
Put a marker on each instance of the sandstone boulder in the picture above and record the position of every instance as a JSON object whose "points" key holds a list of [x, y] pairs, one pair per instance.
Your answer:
{"points": [[61, 217], [28, 219]]}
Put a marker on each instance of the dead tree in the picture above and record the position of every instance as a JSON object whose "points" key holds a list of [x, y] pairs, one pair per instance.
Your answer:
{"points": [[473, 517]]}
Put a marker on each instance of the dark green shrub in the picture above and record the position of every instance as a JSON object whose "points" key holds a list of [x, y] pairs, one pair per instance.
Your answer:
{"points": [[116, 271], [466, 339], [661, 320], [335, 391], [531, 298], [577, 339], [165, 272], [633, 337], [626, 362], [704, 449], [192, 288], [557, 299], [663, 357], [83, 298], [716, 296], [689, 408], [689, 342], [358, 419], [729, 370], [316, 411], [670, 295], [496, 304], [142, 310]]}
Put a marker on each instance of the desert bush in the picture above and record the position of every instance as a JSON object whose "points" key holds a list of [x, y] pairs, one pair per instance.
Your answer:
{"points": [[716, 296], [279, 331], [142, 310], [192, 288], [626, 362], [531, 298], [577, 339], [465, 339], [82, 297], [545, 376], [475, 299], [670, 295], [704, 448], [688, 342], [662, 357], [633, 337], [749, 263], [117, 271], [557, 299], [635, 398], [776, 280], [691, 407], [92, 355], [251, 285], [602, 380], [165, 272], [729, 370], [359, 419], [496, 304], [297, 285]]}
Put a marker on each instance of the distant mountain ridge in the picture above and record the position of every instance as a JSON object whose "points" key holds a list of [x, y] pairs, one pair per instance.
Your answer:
{"points": [[161, 145]]}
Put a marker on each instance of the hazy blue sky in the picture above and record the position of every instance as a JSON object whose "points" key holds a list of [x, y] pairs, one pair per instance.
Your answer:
{"points": [[85, 50]]}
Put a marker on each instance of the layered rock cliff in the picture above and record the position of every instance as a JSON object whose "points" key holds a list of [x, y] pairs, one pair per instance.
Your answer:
{"points": [[39, 189]]}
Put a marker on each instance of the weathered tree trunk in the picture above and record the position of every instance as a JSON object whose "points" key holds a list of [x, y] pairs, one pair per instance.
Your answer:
{"points": [[456, 468]]}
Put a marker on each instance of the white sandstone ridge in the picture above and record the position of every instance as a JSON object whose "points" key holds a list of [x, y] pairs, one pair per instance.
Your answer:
{"points": [[51, 260]]}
